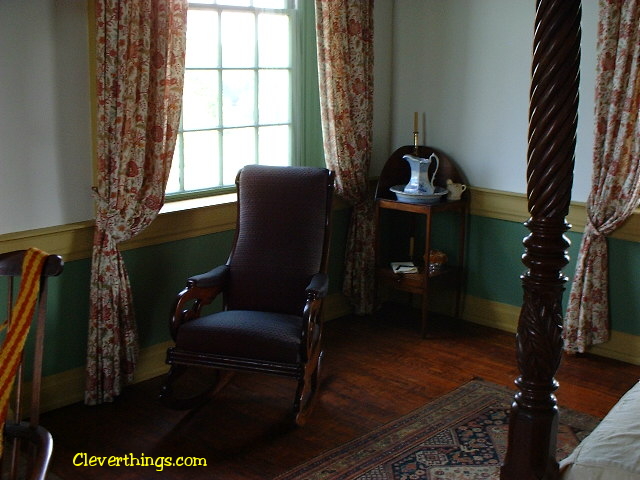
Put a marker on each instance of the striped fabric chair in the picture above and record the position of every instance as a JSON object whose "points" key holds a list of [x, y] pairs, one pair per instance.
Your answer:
{"points": [[32, 267]]}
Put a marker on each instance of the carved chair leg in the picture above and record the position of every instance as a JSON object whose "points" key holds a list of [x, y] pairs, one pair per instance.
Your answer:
{"points": [[169, 398], [306, 393]]}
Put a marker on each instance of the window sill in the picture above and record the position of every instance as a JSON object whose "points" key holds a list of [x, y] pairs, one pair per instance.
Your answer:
{"points": [[181, 205], [184, 219]]}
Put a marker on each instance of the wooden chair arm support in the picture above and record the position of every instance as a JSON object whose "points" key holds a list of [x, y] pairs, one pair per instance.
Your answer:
{"points": [[311, 317], [201, 290], [318, 286]]}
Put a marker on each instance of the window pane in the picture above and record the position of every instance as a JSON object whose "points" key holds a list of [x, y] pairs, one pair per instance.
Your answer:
{"points": [[273, 40], [202, 39], [238, 39], [273, 145], [235, 3], [201, 160], [270, 3], [238, 97], [273, 99], [237, 92], [200, 99], [238, 150], [173, 184]]}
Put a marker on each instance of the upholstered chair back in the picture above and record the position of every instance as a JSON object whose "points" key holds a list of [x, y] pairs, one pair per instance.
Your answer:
{"points": [[280, 238]]}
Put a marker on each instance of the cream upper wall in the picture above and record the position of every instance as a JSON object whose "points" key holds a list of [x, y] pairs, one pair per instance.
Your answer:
{"points": [[382, 78], [45, 127], [45, 133], [465, 66]]}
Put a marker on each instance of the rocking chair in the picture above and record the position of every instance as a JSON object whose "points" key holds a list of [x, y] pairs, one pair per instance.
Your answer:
{"points": [[272, 286]]}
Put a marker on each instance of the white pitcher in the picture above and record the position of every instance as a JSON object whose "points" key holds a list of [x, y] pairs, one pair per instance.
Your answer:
{"points": [[420, 182]]}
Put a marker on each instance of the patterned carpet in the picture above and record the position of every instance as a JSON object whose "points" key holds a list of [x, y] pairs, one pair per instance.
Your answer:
{"points": [[460, 436]]}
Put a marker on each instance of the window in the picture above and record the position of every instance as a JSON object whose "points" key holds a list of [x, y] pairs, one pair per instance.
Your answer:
{"points": [[241, 79]]}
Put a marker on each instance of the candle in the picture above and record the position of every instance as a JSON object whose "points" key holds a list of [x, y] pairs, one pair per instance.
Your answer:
{"points": [[415, 121]]}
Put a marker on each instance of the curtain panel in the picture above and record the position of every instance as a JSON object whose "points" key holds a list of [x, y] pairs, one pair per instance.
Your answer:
{"points": [[615, 190], [140, 49], [345, 77]]}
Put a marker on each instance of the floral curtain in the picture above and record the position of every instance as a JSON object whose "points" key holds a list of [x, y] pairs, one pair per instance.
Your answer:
{"points": [[615, 190], [140, 48], [345, 77]]}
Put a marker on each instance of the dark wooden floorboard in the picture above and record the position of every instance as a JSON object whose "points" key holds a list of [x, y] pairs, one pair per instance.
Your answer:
{"points": [[376, 369]]}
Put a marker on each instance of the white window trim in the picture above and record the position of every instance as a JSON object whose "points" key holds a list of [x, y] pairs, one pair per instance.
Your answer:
{"points": [[185, 200]]}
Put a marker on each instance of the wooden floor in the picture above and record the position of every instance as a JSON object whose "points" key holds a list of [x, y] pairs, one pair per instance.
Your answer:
{"points": [[375, 370]]}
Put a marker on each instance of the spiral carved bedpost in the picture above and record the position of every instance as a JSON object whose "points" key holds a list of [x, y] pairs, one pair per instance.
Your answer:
{"points": [[531, 451]]}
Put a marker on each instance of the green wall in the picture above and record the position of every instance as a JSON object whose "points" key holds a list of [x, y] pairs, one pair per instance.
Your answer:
{"points": [[624, 294], [158, 273], [494, 268]]}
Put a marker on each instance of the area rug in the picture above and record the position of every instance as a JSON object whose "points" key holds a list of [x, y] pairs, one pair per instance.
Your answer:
{"points": [[460, 436]]}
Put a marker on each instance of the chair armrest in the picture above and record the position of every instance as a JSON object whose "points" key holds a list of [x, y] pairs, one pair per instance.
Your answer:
{"points": [[42, 442], [201, 290], [318, 286], [213, 278]]}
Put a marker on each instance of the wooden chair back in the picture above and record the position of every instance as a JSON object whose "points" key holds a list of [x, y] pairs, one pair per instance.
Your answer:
{"points": [[38, 440]]}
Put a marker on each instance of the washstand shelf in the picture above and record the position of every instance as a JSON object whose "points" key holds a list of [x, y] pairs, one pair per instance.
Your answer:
{"points": [[397, 172]]}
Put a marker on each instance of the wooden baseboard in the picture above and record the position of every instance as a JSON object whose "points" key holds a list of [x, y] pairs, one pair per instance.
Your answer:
{"points": [[61, 389], [67, 387], [491, 314], [622, 346], [336, 306]]}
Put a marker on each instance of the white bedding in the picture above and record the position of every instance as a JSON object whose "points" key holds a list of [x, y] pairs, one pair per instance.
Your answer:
{"points": [[612, 450]]}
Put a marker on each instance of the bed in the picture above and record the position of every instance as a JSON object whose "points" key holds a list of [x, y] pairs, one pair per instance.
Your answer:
{"points": [[610, 452]]}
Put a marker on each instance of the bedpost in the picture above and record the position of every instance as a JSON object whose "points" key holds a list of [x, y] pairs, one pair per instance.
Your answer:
{"points": [[533, 423]]}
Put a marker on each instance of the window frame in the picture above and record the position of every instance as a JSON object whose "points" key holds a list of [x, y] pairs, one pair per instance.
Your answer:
{"points": [[297, 64]]}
